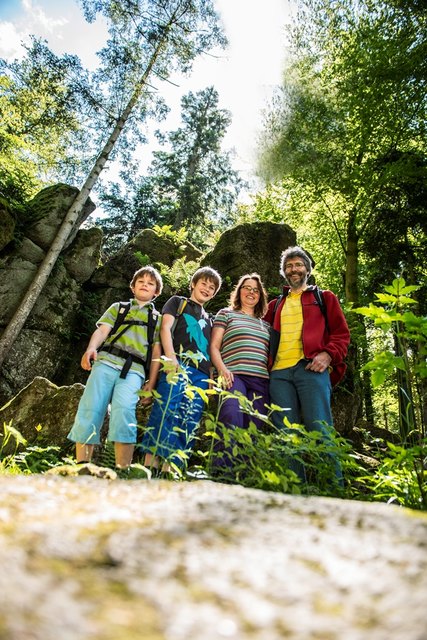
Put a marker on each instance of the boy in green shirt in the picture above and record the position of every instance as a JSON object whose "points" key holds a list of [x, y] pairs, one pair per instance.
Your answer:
{"points": [[117, 372]]}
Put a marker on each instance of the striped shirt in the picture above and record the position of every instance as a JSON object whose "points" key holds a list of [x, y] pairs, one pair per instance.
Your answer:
{"points": [[244, 347], [290, 349], [133, 340]]}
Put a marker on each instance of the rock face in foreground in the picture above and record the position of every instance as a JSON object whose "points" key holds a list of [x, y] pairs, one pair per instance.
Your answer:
{"points": [[84, 558]]}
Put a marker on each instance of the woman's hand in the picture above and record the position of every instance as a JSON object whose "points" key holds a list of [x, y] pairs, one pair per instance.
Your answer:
{"points": [[228, 377]]}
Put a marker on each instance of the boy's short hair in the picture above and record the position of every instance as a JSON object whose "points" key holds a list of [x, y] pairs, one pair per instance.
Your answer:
{"points": [[153, 273], [208, 274]]}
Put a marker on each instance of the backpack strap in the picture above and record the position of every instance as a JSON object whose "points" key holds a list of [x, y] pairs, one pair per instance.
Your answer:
{"points": [[121, 315], [276, 306], [318, 294], [179, 312], [153, 318]]}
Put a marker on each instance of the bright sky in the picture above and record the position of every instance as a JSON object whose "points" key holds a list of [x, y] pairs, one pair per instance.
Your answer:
{"points": [[244, 75]]}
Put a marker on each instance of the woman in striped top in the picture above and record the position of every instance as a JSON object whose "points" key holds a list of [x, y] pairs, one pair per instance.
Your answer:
{"points": [[239, 350]]}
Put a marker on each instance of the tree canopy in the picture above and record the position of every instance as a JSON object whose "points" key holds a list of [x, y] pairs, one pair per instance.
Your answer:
{"points": [[349, 126], [192, 183]]}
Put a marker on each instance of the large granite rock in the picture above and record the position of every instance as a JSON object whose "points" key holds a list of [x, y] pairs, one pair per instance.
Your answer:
{"points": [[43, 414], [93, 558], [112, 279], [47, 210], [46, 344], [251, 247], [83, 257]]}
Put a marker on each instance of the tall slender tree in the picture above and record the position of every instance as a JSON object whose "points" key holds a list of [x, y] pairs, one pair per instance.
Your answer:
{"points": [[147, 38], [190, 183]]}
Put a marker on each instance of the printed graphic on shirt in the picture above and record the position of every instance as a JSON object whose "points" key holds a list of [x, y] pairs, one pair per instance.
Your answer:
{"points": [[195, 331], [192, 331]]}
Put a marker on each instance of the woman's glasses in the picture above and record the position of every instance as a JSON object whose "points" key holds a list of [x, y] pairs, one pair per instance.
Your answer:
{"points": [[250, 289]]}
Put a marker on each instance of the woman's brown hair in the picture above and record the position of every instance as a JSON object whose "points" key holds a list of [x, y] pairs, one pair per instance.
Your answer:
{"points": [[235, 300]]}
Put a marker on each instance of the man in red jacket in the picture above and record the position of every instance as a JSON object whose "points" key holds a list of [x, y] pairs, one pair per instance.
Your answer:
{"points": [[309, 342]]}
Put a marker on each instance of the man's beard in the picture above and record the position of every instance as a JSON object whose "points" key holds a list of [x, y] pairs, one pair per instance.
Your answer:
{"points": [[296, 282]]}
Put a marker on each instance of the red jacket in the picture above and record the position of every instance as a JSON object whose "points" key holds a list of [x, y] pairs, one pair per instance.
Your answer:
{"points": [[316, 336]]}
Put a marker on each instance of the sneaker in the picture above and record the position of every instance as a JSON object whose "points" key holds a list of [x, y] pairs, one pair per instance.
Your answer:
{"points": [[197, 474]]}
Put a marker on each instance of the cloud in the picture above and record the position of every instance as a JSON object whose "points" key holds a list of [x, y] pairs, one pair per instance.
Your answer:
{"points": [[11, 41], [32, 19], [38, 18]]}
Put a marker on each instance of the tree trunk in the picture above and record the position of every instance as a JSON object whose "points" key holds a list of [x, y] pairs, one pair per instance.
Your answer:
{"points": [[407, 420], [30, 298], [352, 261]]}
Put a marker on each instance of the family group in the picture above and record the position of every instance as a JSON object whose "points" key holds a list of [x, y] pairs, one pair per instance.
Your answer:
{"points": [[286, 354]]}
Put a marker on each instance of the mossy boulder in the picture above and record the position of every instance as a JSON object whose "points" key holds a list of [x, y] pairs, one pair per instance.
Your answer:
{"points": [[251, 247], [46, 211], [43, 414]]}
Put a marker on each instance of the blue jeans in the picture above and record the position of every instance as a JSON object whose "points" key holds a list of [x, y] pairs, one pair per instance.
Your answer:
{"points": [[104, 386], [305, 397], [175, 416]]}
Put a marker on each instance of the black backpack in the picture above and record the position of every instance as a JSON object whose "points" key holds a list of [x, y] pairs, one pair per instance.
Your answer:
{"points": [[153, 318]]}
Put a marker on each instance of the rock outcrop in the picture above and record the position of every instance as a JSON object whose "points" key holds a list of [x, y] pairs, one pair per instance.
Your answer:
{"points": [[91, 558], [47, 210], [252, 247], [45, 345], [80, 287], [43, 414]]}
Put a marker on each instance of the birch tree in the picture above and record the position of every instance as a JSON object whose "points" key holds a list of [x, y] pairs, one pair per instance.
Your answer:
{"points": [[148, 39]]}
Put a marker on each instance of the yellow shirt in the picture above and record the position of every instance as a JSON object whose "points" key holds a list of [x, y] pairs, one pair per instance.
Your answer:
{"points": [[290, 349]]}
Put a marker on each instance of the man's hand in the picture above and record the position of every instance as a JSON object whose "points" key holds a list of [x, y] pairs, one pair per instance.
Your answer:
{"points": [[320, 362]]}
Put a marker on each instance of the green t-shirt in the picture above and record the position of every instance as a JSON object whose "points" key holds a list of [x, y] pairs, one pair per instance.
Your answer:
{"points": [[134, 339]]}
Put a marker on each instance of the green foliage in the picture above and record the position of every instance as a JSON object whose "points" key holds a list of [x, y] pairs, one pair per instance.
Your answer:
{"points": [[188, 189], [142, 258], [257, 458], [40, 113], [178, 236], [177, 276], [10, 436], [401, 477], [390, 316], [36, 459], [345, 139], [408, 334], [24, 459]]}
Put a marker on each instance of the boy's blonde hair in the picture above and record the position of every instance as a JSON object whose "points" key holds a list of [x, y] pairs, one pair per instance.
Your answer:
{"points": [[208, 274], [153, 273]]}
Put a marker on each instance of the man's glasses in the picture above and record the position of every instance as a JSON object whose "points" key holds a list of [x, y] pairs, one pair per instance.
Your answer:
{"points": [[250, 289], [298, 265]]}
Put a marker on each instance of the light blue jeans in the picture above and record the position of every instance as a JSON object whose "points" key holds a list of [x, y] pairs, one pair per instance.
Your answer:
{"points": [[306, 399], [104, 386], [175, 416]]}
